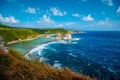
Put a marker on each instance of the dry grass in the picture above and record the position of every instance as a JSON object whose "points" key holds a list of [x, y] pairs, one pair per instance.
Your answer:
{"points": [[13, 66]]}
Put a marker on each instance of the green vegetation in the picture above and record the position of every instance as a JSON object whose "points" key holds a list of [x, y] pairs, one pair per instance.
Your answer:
{"points": [[12, 33], [50, 30], [4, 26], [13, 66]]}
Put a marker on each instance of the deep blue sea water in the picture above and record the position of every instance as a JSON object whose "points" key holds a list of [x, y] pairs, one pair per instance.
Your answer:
{"points": [[94, 53]]}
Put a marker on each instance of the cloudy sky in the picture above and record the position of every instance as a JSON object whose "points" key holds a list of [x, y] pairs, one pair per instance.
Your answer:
{"points": [[69, 14]]}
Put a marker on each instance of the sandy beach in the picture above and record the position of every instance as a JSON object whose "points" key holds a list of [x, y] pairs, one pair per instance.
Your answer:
{"points": [[17, 41]]}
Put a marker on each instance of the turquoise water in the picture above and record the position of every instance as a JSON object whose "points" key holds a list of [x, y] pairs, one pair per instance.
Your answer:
{"points": [[26, 46]]}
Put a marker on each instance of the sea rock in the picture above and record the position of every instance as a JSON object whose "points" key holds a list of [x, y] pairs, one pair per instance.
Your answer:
{"points": [[3, 45], [67, 37]]}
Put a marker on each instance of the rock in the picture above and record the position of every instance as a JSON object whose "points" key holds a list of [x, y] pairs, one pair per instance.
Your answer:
{"points": [[3, 45], [67, 37]]}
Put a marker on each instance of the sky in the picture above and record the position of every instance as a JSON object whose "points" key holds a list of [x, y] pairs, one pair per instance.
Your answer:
{"points": [[98, 15]]}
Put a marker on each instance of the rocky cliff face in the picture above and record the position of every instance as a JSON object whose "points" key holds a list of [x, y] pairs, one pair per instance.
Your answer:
{"points": [[3, 45]]}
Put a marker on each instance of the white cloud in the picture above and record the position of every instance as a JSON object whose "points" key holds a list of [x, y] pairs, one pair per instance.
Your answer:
{"points": [[10, 19], [88, 18], [118, 10], [76, 15], [31, 10], [45, 20], [105, 22], [58, 25], [57, 12], [69, 23], [64, 25], [65, 13], [108, 2]]}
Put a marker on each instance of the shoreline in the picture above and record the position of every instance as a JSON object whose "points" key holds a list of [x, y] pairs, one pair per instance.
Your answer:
{"points": [[32, 50], [43, 35], [43, 44], [29, 39], [17, 41], [40, 36]]}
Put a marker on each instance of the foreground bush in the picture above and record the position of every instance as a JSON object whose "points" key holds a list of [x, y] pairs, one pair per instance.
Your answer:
{"points": [[13, 66]]}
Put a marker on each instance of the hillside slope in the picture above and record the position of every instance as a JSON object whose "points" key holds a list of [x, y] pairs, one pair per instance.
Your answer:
{"points": [[13, 33], [14, 66]]}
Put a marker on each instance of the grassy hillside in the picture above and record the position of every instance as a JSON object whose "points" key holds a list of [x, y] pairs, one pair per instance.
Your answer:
{"points": [[13, 66], [4, 26], [12, 33], [50, 30]]}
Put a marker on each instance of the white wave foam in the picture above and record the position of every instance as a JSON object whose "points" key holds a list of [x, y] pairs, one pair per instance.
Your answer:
{"points": [[42, 59], [56, 61], [53, 49], [39, 53], [43, 46], [76, 39], [74, 42], [50, 36], [72, 55], [39, 48], [57, 65], [59, 41]]}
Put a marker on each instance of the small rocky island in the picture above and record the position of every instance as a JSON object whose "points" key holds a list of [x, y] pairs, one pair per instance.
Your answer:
{"points": [[64, 36]]}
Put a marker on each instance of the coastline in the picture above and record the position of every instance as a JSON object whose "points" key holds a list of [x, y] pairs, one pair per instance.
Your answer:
{"points": [[40, 36], [37, 47], [17, 41]]}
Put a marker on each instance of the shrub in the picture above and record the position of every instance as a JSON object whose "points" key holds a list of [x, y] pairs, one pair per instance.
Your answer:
{"points": [[14, 67]]}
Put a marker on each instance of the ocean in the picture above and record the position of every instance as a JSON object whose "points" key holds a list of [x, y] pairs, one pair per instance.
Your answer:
{"points": [[94, 53]]}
